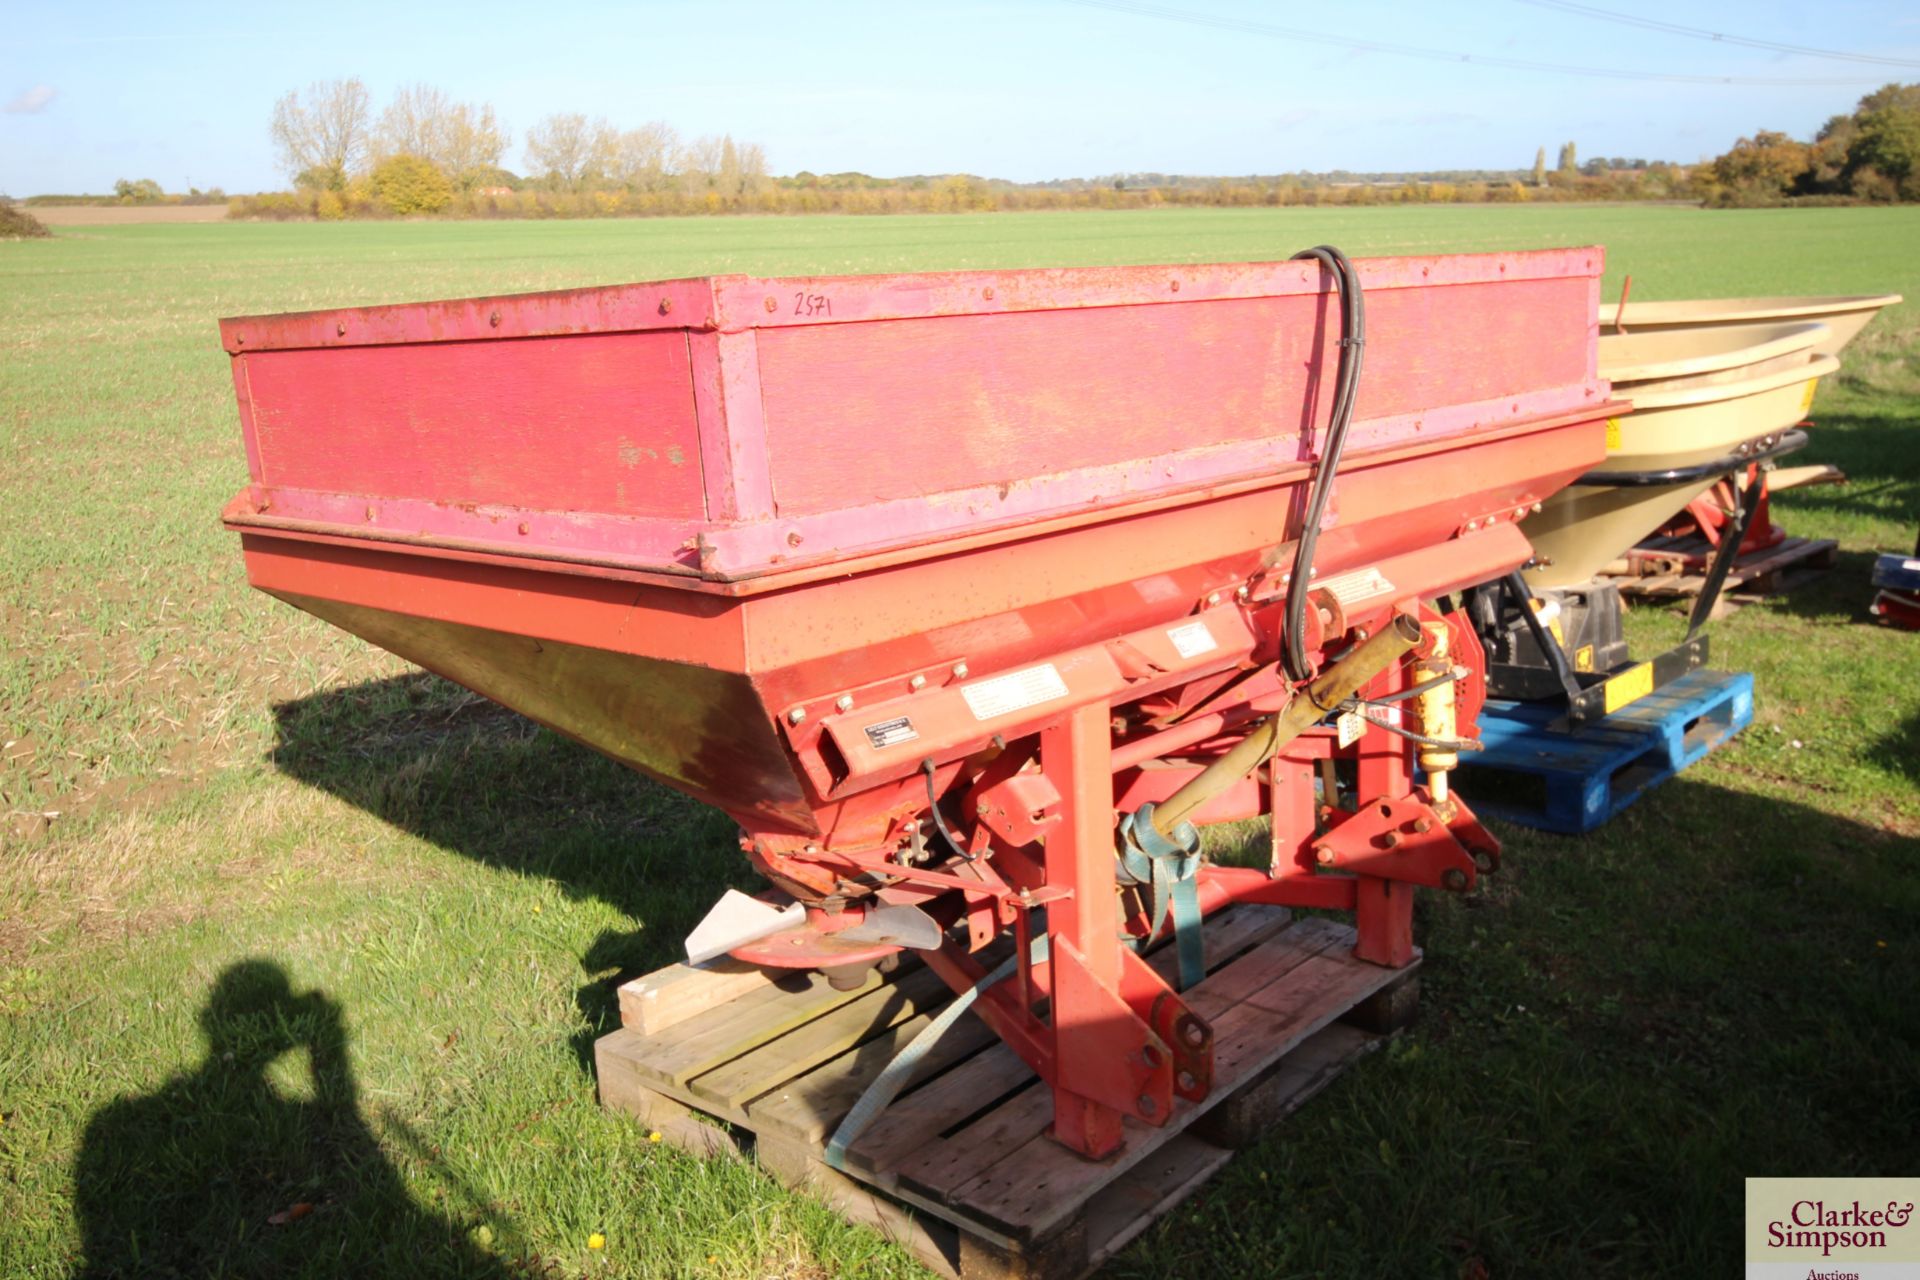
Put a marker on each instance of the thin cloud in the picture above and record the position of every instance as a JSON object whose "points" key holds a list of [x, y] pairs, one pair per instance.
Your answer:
{"points": [[33, 101]]}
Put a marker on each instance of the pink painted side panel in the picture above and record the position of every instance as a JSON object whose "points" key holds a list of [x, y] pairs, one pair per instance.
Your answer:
{"points": [[857, 414], [620, 308], [599, 423], [741, 302]]}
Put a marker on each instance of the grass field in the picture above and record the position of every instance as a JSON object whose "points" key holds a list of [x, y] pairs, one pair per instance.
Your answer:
{"points": [[284, 923]]}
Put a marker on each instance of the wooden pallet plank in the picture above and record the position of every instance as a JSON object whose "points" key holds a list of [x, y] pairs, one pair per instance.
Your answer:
{"points": [[623, 1087], [763, 1069], [698, 1045], [1160, 1182], [1285, 1087], [947, 1165], [655, 1001], [809, 1107], [907, 1140], [1759, 573], [1030, 1188], [1277, 997], [797, 1166]]}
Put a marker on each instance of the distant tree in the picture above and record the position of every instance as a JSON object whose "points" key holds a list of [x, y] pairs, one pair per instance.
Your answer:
{"points": [[643, 157], [461, 138], [569, 152], [1569, 160], [1540, 167], [698, 163], [1886, 142], [406, 184], [323, 137], [743, 167], [1766, 166], [141, 191], [491, 176]]}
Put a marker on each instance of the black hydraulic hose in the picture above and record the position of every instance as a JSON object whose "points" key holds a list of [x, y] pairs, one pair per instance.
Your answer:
{"points": [[940, 823], [1353, 338]]}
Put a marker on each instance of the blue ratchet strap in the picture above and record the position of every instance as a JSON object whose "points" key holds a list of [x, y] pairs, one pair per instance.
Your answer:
{"points": [[1170, 865], [887, 1085]]}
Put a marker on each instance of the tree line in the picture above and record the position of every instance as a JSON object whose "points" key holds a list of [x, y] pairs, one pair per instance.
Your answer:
{"points": [[426, 153], [1870, 155]]}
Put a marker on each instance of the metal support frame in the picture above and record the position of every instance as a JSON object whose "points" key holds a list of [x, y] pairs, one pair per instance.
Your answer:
{"points": [[1112, 1039]]}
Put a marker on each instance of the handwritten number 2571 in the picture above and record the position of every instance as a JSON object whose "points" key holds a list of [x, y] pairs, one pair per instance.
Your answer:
{"points": [[812, 304]]}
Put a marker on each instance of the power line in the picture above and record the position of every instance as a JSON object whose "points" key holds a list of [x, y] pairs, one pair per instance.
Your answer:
{"points": [[1432, 55], [1718, 37]]}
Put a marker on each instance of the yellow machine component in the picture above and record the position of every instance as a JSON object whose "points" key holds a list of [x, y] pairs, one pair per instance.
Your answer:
{"points": [[1437, 710]]}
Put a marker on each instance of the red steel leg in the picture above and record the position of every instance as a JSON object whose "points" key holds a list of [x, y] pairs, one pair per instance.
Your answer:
{"points": [[1383, 909], [1076, 754]]}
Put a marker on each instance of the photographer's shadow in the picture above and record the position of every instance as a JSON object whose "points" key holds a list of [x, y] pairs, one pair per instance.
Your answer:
{"points": [[222, 1172], [479, 780]]}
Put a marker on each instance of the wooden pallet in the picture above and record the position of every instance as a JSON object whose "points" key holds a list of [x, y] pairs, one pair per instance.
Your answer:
{"points": [[958, 1169], [1573, 780], [1675, 568]]}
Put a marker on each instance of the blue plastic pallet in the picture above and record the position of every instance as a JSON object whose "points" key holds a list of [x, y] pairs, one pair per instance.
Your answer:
{"points": [[1591, 773]]}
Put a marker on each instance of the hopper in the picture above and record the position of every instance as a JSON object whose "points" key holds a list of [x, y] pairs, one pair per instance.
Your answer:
{"points": [[1844, 315], [1699, 395], [968, 595]]}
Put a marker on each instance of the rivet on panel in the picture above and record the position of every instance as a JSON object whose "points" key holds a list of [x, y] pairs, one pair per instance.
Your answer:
{"points": [[987, 293], [918, 682], [340, 330], [493, 319], [796, 715], [772, 305], [666, 305], [960, 670], [1213, 598], [523, 526], [794, 539], [371, 513], [844, 702]]}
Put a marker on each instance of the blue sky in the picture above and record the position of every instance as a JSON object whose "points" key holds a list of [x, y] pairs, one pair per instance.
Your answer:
{"points": [[182, 92]]}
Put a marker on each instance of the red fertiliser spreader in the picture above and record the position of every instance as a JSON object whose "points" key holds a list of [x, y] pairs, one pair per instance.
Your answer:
{"points": [[970, 596]]}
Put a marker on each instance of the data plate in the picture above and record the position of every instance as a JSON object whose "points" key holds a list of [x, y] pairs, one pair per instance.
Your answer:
{"points": [[891, 733], [1015, 691], [1192, 640], [1362, 584]]}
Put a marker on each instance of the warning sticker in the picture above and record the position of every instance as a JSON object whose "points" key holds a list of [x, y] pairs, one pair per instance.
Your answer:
{"points": [[1349, 727], [1361, 584], [1192, 640], [1015, 691], [1806, 399], [1629, 686], [1613, 434], [890, 733]]}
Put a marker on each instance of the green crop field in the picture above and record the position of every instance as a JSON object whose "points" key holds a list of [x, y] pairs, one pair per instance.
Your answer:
{"points": [[284, 923]]}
